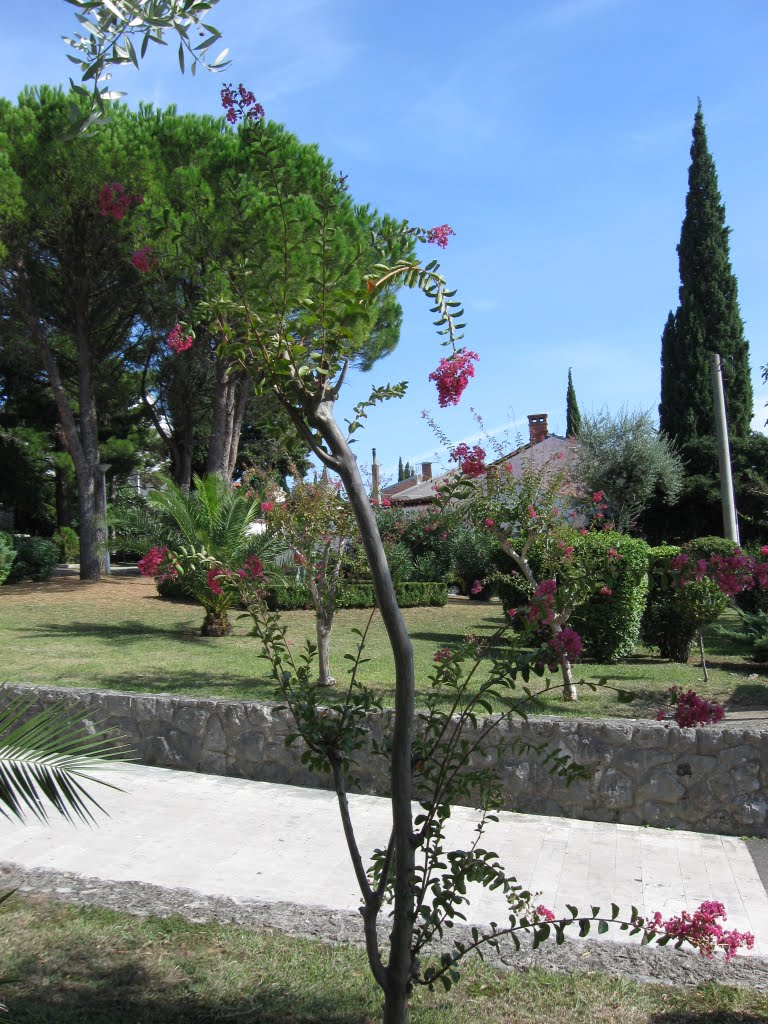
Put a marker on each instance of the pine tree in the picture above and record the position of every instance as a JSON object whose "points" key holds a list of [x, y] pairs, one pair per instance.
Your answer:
{"points": [[708, 318], [400, 470], [572, 414]]}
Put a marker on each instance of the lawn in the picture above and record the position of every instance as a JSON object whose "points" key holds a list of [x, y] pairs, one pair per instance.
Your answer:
{"points": [[118, 634], [75, 964]]}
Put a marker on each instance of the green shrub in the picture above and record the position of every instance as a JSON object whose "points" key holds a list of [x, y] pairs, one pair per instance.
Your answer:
{"points": [[36, 558], [69, 544], [296, 596], [609, 625], [472, 558], [674, 615], [7, 556]]}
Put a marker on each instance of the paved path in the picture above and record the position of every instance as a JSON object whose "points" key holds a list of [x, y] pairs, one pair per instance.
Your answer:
{"points": [[266, 843]]}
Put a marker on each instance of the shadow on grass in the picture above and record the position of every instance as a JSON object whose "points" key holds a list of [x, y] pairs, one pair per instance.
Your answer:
{"points": [[128, 993], [196, 683], [130, 631], [750, 695]]}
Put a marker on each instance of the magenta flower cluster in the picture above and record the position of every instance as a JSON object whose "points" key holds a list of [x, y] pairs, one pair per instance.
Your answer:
{"points": [[733, 574], [702, 930], [178, 341], [439, 236], [240, 104], [542, 609], [452, 376], [115, 200], [567, 642], [157, 565], [471, 461], [143, 260], [444, 654], [692, 710]]}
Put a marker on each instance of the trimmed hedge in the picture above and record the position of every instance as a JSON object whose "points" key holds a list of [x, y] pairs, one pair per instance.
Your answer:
{"points": [[296, 596], [609, 625]]}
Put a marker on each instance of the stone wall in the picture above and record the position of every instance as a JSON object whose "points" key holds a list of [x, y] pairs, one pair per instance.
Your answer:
{"points": [[711, 779]]}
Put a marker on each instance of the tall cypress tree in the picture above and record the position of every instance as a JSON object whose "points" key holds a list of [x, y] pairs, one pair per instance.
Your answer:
{"points": [[572, 414], [400, 470], [708, 318]]}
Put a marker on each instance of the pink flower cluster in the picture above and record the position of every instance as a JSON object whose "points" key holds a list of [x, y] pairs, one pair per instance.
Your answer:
{"points": [[143, 260], [439, 236], [115, 200], [567, 642], [452, 376], [471, 461], [267, 506], [543, 913], [178, 341], [702, 930], [253, 568], [157, 565], [240, 103], [692, 710], [150, 564], [733, 574], [444, 654], [477, 587], [542, 610]]}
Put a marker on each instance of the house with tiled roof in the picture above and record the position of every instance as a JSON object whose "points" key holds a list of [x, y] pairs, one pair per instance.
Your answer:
{"points": [[541, 449]]}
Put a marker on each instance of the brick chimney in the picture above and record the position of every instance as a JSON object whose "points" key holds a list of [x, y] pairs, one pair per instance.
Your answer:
{"points": [[426, 471], [537, 427]]}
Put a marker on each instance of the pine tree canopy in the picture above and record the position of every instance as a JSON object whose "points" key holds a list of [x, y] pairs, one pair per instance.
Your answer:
{"points": [[572, 414], [708, 318]]}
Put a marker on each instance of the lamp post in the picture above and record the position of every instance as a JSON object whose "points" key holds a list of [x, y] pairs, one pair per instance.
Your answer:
{"points": [[103, 467]]}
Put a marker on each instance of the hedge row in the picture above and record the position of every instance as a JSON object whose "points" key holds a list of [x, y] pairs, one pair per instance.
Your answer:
{"points": [[296, 596]]}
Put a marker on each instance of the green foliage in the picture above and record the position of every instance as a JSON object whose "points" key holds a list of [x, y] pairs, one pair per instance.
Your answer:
{"points": [[754, 625], [708, 318], [69, 543], [295, 596], [7, 556], [36, 558], [627, 458], [572, 413], [674, 615], [472, 551], [609, 624]]}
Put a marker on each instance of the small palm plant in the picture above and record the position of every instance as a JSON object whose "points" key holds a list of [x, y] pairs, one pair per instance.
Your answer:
{"points": [[207, 531], [45, 758]]}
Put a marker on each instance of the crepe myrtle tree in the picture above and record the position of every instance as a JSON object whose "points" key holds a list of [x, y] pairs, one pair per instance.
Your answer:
{"points": [[299, 347], [317, 525]]}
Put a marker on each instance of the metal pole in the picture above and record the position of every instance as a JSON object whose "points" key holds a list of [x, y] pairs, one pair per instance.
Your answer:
{"points": [[730, 522]]}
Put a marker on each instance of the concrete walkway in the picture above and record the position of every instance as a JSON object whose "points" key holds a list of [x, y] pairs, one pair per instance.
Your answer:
{"points": [[266, 843]]}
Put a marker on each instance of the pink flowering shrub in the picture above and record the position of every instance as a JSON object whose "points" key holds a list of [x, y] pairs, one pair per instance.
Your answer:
{"points": [[702, 930], [143, 260], [471, 461], [115, 201], [452, 376], [691, 709], [240, 105], [178, 341]]}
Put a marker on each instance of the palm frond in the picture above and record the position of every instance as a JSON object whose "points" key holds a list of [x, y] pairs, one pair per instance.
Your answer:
{"points": [[46, 758]]}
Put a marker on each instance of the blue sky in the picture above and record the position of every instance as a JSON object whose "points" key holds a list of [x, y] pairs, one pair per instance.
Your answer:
{"points": [[553, 135]]}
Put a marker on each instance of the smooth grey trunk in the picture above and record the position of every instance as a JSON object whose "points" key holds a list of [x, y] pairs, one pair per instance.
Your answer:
{"points": [[229, 400], [323, 626], [570, 693], [397, 977]]}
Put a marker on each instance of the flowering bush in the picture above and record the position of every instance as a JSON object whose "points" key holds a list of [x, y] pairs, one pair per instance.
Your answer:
{"points": [[115, 201], [178, 341], [471, 461], [452, 376], [702, 930], [691, 709], [143, 260]]}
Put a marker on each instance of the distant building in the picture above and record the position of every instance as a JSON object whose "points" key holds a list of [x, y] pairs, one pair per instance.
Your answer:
{"points": [[542, 448]]}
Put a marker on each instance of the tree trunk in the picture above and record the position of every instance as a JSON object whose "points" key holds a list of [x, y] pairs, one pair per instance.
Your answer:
{"points": [[216, 625], [87, 504], [400, 968], [221, 419], [61, 484], [570, 692], [236, 430], [323, 626]]}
